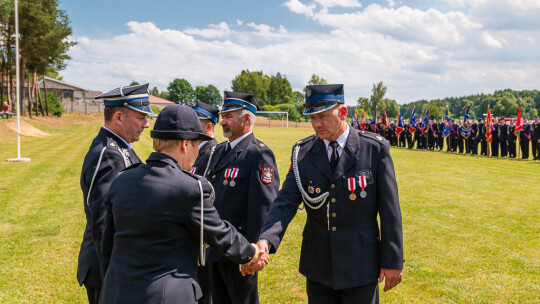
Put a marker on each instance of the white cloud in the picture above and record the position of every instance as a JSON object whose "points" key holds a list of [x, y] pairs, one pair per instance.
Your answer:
{"points": [[417, 53], [220, 30], [341, 3], [296, 6]]}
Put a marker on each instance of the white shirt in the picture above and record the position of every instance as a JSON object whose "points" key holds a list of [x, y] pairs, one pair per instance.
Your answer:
{"points": [[204, 143], [129, 146], [342, 140], [239, 139]]}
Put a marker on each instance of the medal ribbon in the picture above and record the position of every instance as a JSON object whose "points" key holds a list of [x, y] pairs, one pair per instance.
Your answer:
{"points": [[192, 171], [351, 184], [227, 173], [234, 173], [362, 180]]}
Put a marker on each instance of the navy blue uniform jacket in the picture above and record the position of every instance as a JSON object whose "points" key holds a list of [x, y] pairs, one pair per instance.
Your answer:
{"points": [[246, 204], [115, 158], [353, 250], [151, 237], [204, 154]]}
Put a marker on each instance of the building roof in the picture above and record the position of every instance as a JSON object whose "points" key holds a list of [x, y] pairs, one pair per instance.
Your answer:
{"points": [[92, 94], [157, 100], [58, 84]]}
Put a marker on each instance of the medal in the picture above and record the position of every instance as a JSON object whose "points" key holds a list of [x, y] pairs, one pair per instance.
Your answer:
{"points": [[310, 189], [318, 190], [351, 185], [362, 180], [234, 173], [227, 173]]}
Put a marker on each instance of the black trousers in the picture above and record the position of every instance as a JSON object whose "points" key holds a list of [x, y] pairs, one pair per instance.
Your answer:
{"points": [[511, 148], [473, 145], [483, 147], [524, 149], [229, 286], [203, 276], [535, 150], [495, 148], [460, 145], [321, 294], [504, 148], [93, 294]]}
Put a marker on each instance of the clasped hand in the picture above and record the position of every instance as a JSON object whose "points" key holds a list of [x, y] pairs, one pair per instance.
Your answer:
{"points": [[260, 260]]}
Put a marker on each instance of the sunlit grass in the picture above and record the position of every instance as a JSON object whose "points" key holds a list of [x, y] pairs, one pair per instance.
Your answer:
{"points": [[471, 223]]}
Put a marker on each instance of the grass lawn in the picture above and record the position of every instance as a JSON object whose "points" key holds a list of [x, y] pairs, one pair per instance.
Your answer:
{"points": [[471, 224]]}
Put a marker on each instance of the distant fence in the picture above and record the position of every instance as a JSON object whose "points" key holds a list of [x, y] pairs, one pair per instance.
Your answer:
{"points": [[83, 107]]}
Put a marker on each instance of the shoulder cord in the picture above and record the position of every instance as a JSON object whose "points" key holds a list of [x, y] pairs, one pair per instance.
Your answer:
{"points": [[94, 176], [313, 203], [209, 160], [202, 257], [127, 162]]}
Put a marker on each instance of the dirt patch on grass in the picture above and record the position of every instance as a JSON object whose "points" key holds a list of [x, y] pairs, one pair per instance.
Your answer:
{"points": [[25, 128]]}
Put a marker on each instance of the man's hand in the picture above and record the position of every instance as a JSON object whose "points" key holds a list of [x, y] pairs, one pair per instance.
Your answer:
{"points": [[259, 261], [391, 277]]}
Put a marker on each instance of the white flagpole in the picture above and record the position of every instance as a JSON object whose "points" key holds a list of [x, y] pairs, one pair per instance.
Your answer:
{"points": [[18, 159]]}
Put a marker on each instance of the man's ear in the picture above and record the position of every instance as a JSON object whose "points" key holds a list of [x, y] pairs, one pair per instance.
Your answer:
{"points": [[118, 118], [343, 111]]}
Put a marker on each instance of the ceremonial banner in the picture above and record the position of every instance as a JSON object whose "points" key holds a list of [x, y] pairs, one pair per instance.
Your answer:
{"points": [[400, 126], [363, 120], [373, 123], [384, 119], [518, 123], [424, 125], [412, 121], [489, 127], [355, 122], [446, 129], [466, 129]]}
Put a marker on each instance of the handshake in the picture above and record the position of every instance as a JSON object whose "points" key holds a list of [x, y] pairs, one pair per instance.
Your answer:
{"points": [[259, 261]]}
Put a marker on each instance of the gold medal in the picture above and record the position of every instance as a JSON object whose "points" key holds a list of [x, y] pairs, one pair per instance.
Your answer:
{"points": [[225, 182], [232, 183], [363, 194], [310, 189], [318, 190], [352, 196]]}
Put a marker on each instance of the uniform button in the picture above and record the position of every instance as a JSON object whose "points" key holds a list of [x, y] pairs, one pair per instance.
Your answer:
{"points": [[332, 186], [334, 229], [213, 176], [333, 200], [334, 215]]}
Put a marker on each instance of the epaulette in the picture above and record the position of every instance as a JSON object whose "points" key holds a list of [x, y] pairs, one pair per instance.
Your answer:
{"points": [[373, 136], [306, 140]]}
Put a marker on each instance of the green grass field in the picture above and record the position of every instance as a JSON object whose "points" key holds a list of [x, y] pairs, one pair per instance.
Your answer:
{"points": [[471, 224]]}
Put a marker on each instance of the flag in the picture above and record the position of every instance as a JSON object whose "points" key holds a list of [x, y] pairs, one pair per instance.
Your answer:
{"points": [[412, 122], [489, 132], [466, 129], [373, 123], [363, 120], [355, 122], [384, 119], [518, 123], [446, 129], [424, 125], [400, 126]]}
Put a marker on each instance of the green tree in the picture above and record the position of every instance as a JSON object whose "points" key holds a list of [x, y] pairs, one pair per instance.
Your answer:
{"points": [[378, 91], [209, 95], [255, 83], [506, 106], [363, 103], [315, 79], [133, 83], [280, 89], [154, 91], [180, 91]]}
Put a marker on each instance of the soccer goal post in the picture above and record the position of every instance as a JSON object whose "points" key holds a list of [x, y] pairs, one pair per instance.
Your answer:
{"points": [[275, 115]]}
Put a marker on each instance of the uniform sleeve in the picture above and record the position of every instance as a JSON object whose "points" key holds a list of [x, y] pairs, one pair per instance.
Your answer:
{"points": [[107, 239], [262, 192], [389, 212], [111, 164], [282, 211], [219, 234]]}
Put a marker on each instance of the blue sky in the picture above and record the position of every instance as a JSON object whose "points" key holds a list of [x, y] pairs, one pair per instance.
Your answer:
{"points": [[420, 49]]}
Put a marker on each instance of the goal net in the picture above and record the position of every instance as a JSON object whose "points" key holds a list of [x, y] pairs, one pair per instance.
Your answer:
{"points": [[273, 119]]}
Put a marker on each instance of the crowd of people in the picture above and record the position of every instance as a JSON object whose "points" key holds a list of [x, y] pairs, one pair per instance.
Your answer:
{"points": [[469, 137], [148, 225]]}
